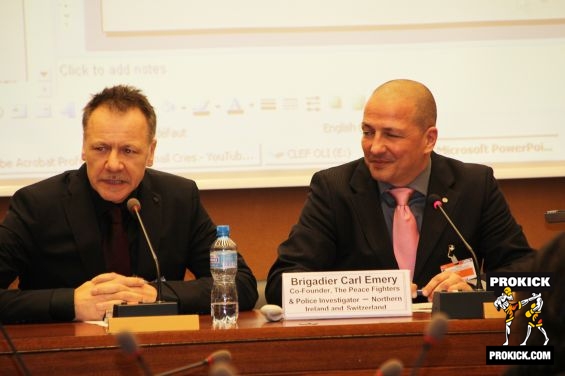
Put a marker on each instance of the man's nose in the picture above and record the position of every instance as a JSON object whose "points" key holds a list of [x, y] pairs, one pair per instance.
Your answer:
{"points": [[114, 162], [377, 146]]}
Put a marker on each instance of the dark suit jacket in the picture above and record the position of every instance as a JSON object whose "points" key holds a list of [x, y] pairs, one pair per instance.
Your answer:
{"points": [[51, 240], [342, 227]]}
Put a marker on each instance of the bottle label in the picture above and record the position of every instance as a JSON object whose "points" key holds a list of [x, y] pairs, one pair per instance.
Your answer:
{"points": [[223, 260]]}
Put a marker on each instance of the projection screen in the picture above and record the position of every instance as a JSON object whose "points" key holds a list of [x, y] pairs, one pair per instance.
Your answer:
{"points": [[262, 93]]}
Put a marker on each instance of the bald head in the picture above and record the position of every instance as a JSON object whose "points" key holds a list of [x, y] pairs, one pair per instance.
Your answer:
{"points": [[411, 93], [399, 132]]}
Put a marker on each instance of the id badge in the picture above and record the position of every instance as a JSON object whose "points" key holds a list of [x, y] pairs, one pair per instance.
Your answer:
{"points": [[465, 268]]}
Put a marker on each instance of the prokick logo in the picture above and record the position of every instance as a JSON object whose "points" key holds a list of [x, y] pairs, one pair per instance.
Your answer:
{"points": [[504, 286]]}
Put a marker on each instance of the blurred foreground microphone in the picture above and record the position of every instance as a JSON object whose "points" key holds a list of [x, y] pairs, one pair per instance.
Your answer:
{"points": [[128, 344], [222, 369], [217, 357], [432, 336], [392, 367], [462, 304], [159, 307], [19, 361]]}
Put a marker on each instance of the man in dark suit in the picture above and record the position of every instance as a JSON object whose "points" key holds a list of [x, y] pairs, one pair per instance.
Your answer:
{"points": [[56, 235], [347, 220]]}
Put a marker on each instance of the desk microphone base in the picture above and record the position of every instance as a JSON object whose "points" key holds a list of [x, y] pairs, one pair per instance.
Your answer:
{"points": [[462, 304], [146, 309]]}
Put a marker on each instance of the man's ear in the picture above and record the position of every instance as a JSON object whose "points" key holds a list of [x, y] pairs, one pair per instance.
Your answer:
{"points": [[151, 155], [431, 138]]}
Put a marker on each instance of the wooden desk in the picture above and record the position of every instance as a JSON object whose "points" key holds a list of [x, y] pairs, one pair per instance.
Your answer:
{"points": [[323, 347]]}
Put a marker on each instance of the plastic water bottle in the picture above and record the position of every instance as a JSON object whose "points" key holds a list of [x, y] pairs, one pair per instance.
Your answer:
{"points": [[223, 267]]}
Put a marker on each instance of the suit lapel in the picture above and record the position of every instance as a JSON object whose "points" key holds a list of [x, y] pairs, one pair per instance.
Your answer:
{"points": [[366, 201], [433, 222], [81, 217]]}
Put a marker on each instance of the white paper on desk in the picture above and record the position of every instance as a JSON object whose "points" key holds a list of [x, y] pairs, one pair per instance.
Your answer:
{"points": [[346, 294], [99, 323], [422, 307]]}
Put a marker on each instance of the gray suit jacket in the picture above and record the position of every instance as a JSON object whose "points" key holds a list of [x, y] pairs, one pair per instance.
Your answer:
{"points": [[342, 226]]}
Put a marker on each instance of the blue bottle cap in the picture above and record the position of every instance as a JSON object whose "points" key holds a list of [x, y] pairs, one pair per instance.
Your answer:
{"points": [[223, 230]]}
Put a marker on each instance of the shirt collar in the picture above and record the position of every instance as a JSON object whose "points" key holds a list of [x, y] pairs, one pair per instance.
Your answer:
{"points": [[419, 184]]}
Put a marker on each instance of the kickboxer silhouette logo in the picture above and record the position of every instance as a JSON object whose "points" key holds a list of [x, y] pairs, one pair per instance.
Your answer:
{"points": [[519, 296], [506, 302], [535, 320]]}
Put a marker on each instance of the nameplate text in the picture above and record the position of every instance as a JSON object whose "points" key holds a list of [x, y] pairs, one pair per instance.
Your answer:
{"points": [[346, 294]]}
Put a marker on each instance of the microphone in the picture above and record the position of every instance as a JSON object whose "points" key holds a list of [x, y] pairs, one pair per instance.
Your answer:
{"points": [[216, 358], [438, 205], [222, 369], [462, 304], [134, 207], [19, 361], [129, 345], [392, 367], [159, 307], [432, 336]]}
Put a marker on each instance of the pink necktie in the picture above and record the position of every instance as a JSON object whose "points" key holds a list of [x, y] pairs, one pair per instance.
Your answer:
{"points": [[405, 233]]}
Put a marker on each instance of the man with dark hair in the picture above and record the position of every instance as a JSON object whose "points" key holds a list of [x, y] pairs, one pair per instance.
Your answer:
{"points": [[76, 249]]}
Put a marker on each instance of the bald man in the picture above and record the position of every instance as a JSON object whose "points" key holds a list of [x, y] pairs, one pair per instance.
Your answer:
{"points": [[347, 220]]}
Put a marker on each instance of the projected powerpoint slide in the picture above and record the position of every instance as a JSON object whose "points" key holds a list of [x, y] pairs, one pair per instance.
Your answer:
{"points": [[257, 93]]}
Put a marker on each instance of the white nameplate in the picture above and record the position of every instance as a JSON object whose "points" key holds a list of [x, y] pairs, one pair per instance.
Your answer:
{"points": [[345, 294]]}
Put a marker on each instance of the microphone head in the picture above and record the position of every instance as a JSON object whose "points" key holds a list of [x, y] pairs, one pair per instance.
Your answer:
{"points": [[436, 330], [222, 369], [435, 200], [392, 367], [127, 343], [220, 356], [133, 205]]}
